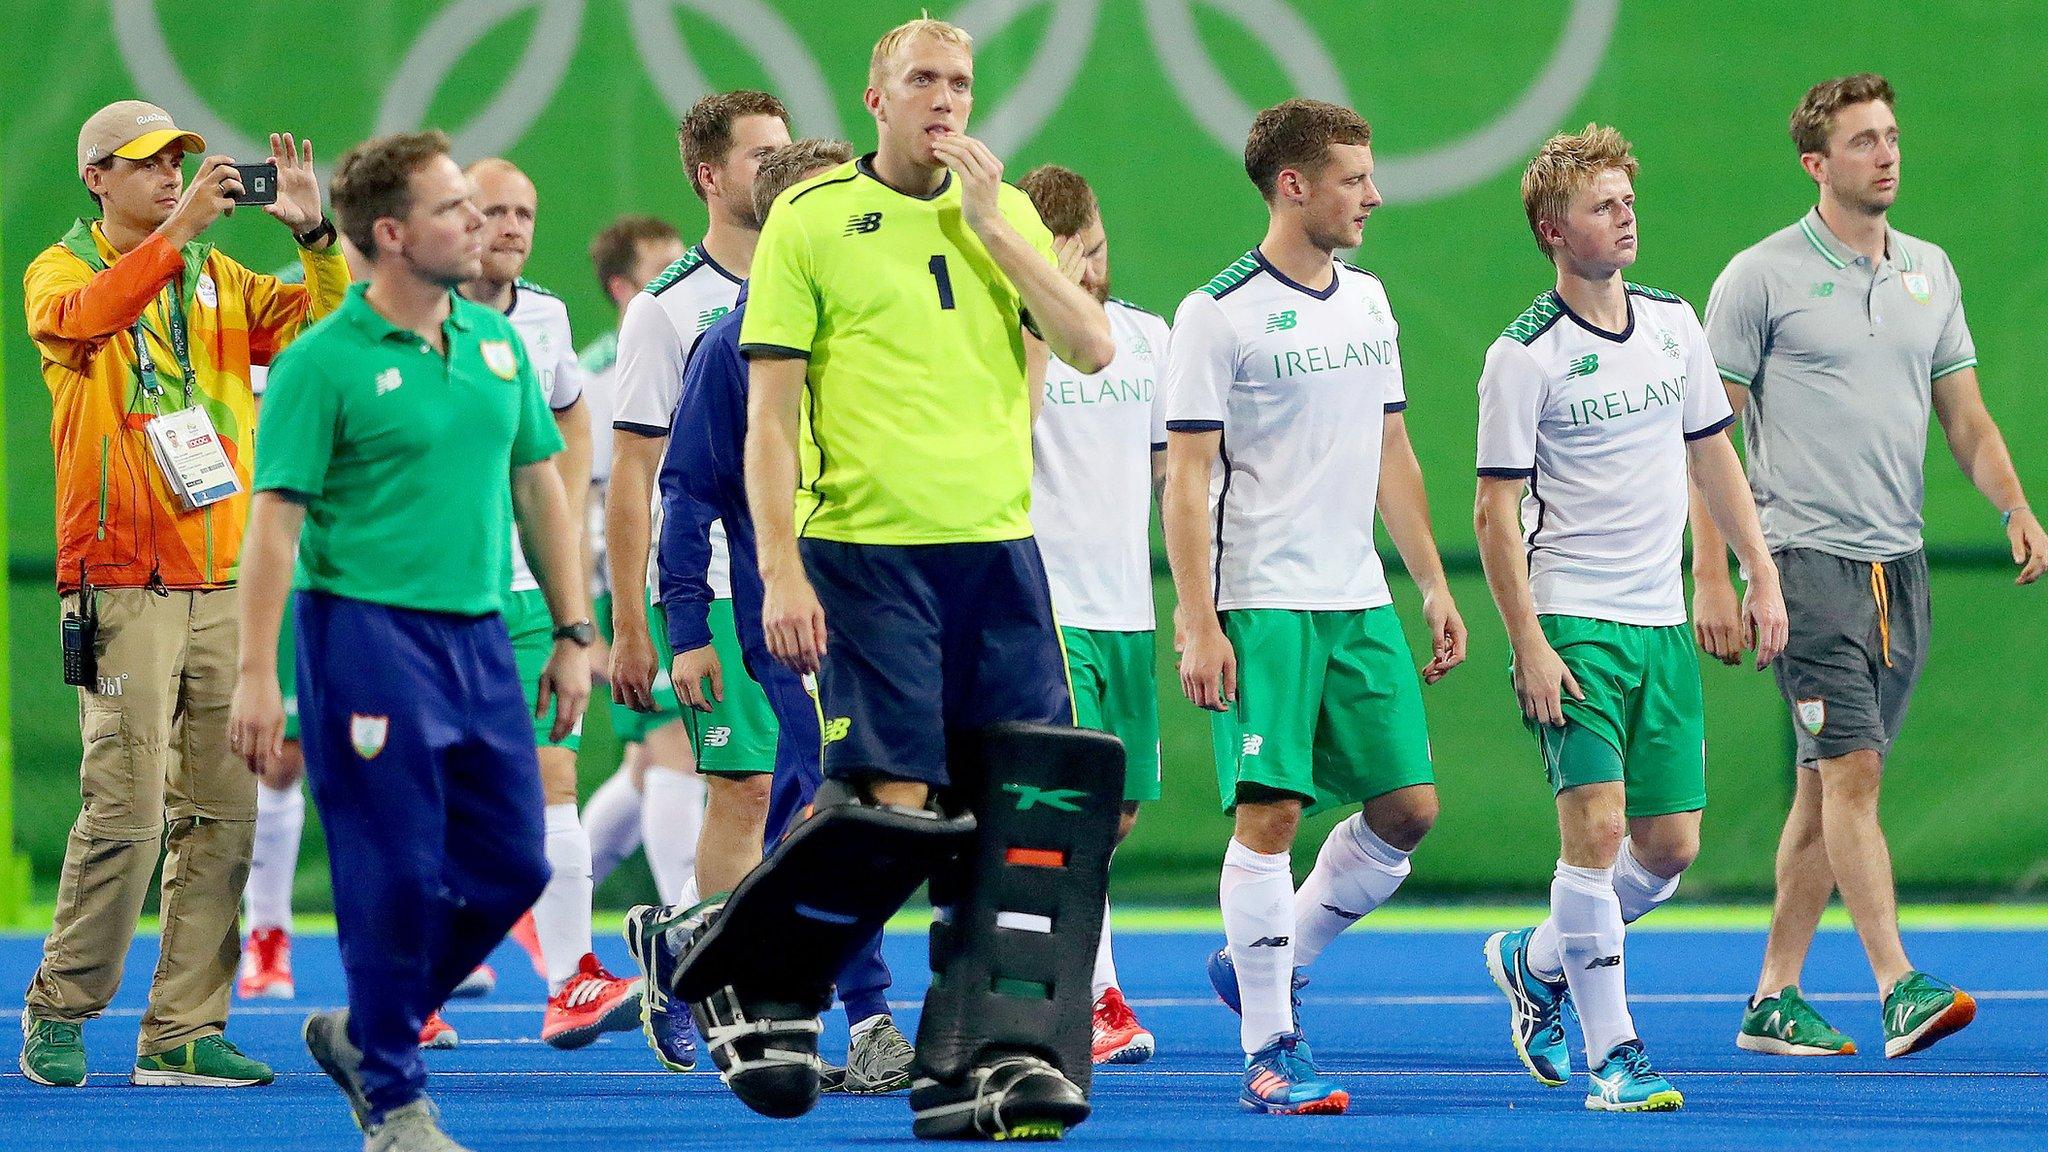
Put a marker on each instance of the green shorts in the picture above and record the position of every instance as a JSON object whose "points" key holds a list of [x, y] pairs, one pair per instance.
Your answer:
{"points": [[288, 674], [1328, 707], [1643, 721], [532, 630], [737, 737], [1116, 690], [628, 725]]}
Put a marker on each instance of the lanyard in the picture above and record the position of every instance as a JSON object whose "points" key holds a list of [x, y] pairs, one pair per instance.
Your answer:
{"points": [[145, 364]]}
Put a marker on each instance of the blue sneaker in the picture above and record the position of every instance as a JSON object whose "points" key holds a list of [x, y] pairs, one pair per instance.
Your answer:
{"points": [[665, 1022], [1223, 978], [1537, 1006], [1281, 1080], [1625, 1082]]}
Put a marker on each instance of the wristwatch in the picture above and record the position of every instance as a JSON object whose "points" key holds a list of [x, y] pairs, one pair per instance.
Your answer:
{"points": [[581, 633], [322, 232]]}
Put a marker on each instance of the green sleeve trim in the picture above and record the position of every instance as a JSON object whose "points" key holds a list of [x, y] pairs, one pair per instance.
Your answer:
{"points": [[1941, 370], [1731, 374]]}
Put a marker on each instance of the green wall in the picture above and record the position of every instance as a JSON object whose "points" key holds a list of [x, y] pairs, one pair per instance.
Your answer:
{"points": [[1137, 96]]}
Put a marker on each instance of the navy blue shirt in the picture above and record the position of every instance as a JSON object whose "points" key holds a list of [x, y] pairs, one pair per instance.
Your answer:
{"points": [[703, 479]]}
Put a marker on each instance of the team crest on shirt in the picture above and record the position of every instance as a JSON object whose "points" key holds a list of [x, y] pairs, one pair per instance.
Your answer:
{"points": [[1919, 286], [1668, 344], [1813, 715], [499, 358], [368, 733]]}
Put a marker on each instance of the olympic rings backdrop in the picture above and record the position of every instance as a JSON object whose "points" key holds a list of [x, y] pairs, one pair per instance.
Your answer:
{"points": [[1150, 99]]}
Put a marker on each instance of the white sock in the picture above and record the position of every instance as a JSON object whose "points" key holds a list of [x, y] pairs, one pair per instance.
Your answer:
{"points": [[611, 818], [689, 897], [671, 814], [1258, 920], [280, 820], [1639, 889], [861, 1029], [1355, 873], [1105, 963], [1589, 935], [561, 917]]}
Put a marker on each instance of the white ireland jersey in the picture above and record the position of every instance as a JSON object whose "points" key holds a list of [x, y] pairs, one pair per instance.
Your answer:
{"points": [[600, 360], [543, 323], [1300, 383], [1597, 423], [1091, 480], [660, 327]]}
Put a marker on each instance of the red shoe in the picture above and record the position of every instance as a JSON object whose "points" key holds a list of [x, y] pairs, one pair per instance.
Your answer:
{"points": [[438, 1033], [527, 936], [1119, 1038], [266, 966], [481, 982], [592, 1003]]}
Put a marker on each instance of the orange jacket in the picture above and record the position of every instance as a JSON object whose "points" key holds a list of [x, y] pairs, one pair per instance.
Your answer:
{"points": [[115, 515]]}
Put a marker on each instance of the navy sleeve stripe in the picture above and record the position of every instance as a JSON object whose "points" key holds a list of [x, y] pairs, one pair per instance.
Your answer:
{"points": [[774, 352], [1398, 406], [1716, 426], [1159, 446], [1194, 425], [1507, 473], [647, 430]]}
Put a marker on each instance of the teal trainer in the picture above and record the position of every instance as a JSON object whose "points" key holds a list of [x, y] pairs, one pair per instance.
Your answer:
{"points": [[1281, 1080], [1921, 1010], [1625, 1082], [1786, 1025], [52, 1052], [1536, 1007], [208, 1062]]}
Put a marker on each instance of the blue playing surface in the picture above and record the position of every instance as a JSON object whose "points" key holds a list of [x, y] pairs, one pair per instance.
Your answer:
{"points": [[1407, 1021]]}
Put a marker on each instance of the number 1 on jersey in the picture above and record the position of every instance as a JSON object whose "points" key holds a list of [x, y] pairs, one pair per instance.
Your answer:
{"points": [[945, 282]]}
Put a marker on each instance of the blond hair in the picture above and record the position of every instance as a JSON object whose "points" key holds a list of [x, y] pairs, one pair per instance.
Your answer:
{"points": [[1814, 120], [1563, 167], [895, 38]]}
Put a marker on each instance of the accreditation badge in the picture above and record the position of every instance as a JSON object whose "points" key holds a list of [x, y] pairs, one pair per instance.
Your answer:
{"points": [[499, 358], [189, 455]]}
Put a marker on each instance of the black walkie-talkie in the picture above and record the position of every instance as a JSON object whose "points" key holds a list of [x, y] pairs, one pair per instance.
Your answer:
{"points": [[81, 636]]}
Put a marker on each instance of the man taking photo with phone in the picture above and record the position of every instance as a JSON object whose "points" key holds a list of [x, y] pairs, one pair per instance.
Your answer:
{"points": [[147, 335]]}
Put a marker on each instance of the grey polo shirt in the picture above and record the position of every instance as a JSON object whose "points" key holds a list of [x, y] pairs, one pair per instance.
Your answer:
{"points": [[1839, 355]]}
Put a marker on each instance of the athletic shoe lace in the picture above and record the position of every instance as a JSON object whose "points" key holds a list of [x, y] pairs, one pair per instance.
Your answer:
{"points": [[1115, 1015]]}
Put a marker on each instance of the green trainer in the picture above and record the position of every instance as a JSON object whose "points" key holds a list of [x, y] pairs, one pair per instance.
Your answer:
{"points": [[1786, 1025], [1920, 1011], [52, 1052], [208, 1062]]}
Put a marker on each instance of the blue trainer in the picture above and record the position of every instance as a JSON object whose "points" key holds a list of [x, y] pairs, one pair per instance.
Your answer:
{"points": [[1223, 978], [665, 1022], [1281, 1080], [1537, 1006], [1625, 1082]]}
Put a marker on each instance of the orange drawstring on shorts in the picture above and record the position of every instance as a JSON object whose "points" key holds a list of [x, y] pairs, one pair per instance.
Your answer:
{"points": [[1880, 590]]}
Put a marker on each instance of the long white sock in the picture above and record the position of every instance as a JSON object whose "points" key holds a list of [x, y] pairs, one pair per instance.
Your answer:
{"points": [[671, 814], [1639, 889], [561, 917], [1355, 872], [1589, 934], [611, 818], [1105, 962], [280, 821], [1258, 921]]}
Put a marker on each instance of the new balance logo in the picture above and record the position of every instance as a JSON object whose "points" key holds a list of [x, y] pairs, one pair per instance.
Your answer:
{"points": [[1823, 289], [1030, 796], [863, 224], [717, 736], [1333, 910], [388, 381], [1280, 321], [1270, 942], [1252, 744], [1604, 962], [709, 316], [837, 728], [1584, 366]]}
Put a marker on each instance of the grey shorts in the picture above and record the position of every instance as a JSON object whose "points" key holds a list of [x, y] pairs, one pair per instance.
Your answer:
{"points": [[1859, 639]]}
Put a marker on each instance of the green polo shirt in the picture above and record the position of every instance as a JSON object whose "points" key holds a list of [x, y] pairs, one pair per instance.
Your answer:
{"points": [[404, 457]]}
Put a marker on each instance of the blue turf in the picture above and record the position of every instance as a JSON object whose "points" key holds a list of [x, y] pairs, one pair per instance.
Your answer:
{"points": [[1408, 1022]]}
